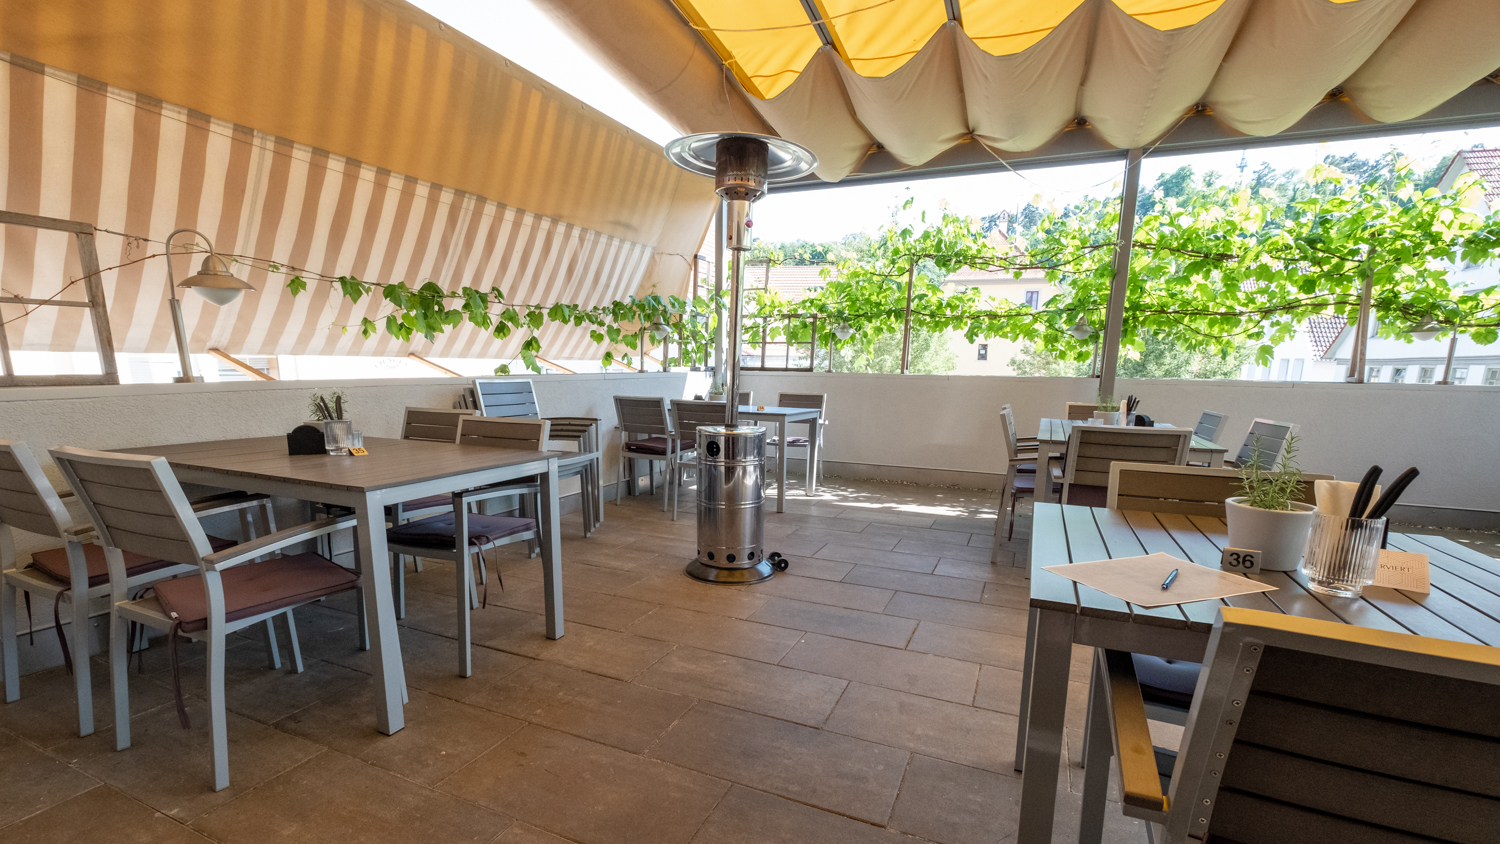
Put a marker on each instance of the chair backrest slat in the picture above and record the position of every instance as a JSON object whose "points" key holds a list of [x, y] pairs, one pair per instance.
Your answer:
{"points": [[1210, 425], [1189, 490], [689, 416], [1008, 424], [27, 499], [501, 432], [643, 415], [432, 424], [1080, 410], [1272, 436], [1336, 734], [1093, 448], [817, 400], [136, 503], [506, 397]]}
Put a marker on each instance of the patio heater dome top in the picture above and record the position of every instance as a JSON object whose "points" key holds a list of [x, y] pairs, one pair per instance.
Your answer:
{"points": [[707, 155]]}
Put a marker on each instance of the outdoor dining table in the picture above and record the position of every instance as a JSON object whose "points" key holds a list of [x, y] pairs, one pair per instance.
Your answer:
{"points": [[394, 471], [782, 417], [1052, 439], [1463, 606]]}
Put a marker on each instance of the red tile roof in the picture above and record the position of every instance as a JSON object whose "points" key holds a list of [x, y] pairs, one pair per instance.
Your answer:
{"points": [[1485, 163], [1323, 332]]}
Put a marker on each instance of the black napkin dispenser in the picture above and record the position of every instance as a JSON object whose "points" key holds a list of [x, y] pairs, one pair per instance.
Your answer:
{"points": [[1143, 421], [305, 439]]}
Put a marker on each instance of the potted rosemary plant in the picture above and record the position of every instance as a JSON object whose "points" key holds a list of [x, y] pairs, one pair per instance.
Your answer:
{"points": [[1109, 410], [1270, 516]]}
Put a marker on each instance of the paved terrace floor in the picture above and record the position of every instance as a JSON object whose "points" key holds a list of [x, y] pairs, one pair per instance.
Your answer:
{"points": [[867, 696]]}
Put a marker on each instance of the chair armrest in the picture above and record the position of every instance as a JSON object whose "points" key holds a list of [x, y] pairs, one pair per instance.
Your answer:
{"points": [[1140, 782], [79, 533], [246, 551]]}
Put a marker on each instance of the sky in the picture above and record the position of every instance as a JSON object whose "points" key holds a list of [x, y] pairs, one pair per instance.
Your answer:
{"points": [[521, 32]]}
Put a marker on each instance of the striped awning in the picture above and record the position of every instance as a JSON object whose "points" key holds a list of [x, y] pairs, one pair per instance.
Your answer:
{"points": [[346, 137], [915, 78]]}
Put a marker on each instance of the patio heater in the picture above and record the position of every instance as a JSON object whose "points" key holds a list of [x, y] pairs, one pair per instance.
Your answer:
{"points": [[731, 458]]}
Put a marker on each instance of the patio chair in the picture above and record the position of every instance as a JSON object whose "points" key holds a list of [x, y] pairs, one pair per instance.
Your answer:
{"points": [[687, 418], [1022, 442], [457, 535], [1210, 426], [1306, 731], [29, 503], [645, 434], [228, 592], [1092, 448], [1188, 490], [1079, 411], [1020, 479], [816, 400], [1272, 436], [516, 398]]}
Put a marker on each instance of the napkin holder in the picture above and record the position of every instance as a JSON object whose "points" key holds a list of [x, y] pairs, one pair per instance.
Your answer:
{"points": [[1144, 421], [305, 439]]}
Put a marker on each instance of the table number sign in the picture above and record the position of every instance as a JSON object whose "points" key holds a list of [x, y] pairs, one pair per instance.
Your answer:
{"points": [[359, 452], [1403, 570], [1240, 561]]}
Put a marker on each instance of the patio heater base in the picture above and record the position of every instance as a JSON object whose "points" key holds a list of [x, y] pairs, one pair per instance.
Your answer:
{"points": [[764, 570]]}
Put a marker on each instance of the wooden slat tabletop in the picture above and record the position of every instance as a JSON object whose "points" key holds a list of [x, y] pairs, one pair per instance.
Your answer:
{"points": [[1058, 431], [1464, 605], [390, 463]]}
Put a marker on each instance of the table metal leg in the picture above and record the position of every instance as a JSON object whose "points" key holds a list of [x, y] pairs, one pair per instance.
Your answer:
{"points": [[1044, 725], [551, 553], [380, 613], [812, 455], [1098, 749], [1025, 685], [781, 465]]}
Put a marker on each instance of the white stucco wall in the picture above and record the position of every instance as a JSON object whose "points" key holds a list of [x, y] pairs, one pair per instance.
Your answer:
{"points": [[950, 422]]}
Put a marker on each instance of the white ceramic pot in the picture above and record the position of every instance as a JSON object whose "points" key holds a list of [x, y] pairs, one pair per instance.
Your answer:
{"points": [[1107, 417], [1279, 535]]}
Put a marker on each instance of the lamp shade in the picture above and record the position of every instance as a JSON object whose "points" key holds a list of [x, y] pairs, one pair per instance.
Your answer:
{"points": [[215, 282], [1425, 330], [1082, 330], [843, 331]]}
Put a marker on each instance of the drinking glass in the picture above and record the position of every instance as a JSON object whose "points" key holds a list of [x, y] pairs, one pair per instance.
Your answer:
{"points": [[336, 436], [356, 439], [1342, 554]]}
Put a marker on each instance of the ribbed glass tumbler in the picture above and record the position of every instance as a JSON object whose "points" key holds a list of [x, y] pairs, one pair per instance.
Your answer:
{"points": [[1342, 554]]}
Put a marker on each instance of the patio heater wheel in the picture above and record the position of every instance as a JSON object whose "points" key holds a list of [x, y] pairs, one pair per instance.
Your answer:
{"points": [[731, 458]]}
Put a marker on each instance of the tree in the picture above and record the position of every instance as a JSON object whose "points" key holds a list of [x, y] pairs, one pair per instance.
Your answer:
{"points": [[931, 354]]}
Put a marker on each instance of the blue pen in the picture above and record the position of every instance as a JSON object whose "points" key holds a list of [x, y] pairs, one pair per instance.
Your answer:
{"points": [[1171, 578]]}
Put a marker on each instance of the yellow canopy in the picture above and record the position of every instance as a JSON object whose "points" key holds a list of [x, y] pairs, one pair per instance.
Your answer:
{"points": [[917, 77]]}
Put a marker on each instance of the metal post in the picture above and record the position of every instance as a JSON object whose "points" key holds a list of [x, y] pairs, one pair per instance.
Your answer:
{"points": [[736, 289], [1448, 367], [1114, 318], [1361, 331], [911, 276], [717, 382]]}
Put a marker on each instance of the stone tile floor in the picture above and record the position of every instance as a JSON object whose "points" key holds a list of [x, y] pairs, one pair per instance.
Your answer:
{"points": [[867, 695]]}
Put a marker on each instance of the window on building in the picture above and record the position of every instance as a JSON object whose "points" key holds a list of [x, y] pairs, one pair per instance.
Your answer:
{"points": [[1460, 375], [984, 351], [1424, 375], [1372, 374], [1033, 299], [1281, 368], [1398, 375], [1492, 377], [1297, 366]]}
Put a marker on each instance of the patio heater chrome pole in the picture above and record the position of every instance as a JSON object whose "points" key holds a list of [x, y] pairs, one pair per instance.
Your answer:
{"points": [[731, 457], [716, 386]]}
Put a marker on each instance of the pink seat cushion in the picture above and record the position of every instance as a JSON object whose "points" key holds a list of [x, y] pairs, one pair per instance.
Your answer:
{"points": [[255, 588], [655, 445], [437, 531], [54, 562], [1084, 495], [1026, 468]]}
